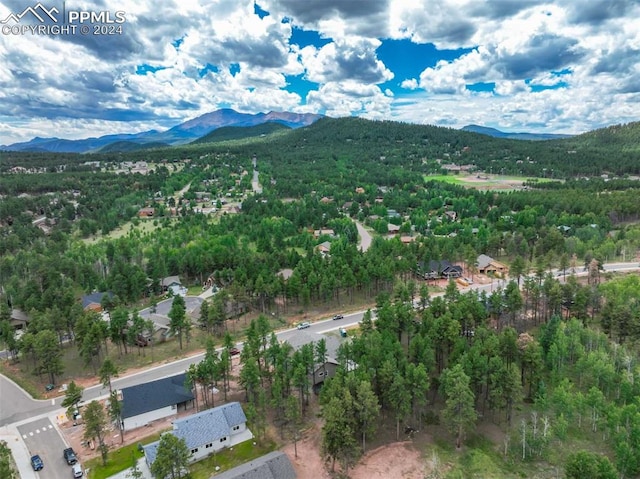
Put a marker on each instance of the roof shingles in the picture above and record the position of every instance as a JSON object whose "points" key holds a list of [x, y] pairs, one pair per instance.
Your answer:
{"points": [[154, 395], [210, 425]]}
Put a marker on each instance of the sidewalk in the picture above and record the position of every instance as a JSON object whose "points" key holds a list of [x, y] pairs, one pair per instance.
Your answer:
{"points": [[21, 456]]}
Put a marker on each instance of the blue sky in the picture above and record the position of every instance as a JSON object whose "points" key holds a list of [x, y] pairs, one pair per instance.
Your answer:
{"points": [[564, 66]]}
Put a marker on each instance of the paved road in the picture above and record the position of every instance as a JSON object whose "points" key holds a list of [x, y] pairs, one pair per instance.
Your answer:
{"points": [[16, 405], [42, 437], [365, 237]]}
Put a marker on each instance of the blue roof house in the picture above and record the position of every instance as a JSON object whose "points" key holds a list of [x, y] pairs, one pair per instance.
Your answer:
{"points": [[207, 432]]}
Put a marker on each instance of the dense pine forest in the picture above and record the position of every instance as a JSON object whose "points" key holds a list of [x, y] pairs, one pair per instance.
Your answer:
{"points": [[551, 356]]}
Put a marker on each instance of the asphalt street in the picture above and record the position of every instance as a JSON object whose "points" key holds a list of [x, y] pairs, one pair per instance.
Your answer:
{"points": [[42, 437]]}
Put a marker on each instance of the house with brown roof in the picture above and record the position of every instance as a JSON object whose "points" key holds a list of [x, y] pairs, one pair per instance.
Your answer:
{"points": [[324, 248], [488, 265], [146, 212]]}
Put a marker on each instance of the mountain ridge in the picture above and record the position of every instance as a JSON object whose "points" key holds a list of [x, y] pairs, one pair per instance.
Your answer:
{"points": [[494, 132], [182, 133]]}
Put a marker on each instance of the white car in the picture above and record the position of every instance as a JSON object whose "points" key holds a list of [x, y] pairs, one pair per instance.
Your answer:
{"points": [[76, 470], [304, 325]]}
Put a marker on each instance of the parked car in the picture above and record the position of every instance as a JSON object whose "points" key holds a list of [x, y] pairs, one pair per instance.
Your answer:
{"points": [[76, 471], [36, 463], [234, 351], [338, 316], [304, 325], [70, 455]]}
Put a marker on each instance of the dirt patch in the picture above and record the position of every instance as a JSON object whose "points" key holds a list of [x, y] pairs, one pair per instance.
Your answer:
{"points": [[308, 464], [398, 460]]}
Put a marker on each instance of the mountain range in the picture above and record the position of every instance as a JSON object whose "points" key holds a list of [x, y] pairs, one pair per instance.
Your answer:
{"points": [[180, 134], [484, 130], [198, 130]]}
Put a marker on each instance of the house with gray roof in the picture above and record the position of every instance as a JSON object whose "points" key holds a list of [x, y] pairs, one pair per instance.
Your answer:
{"points": [[275, 465], [330, 366], [208, 431], [19, 319], [154, 400]]}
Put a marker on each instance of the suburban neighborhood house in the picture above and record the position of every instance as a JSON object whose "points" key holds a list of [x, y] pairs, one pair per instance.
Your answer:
{"points": [[173, 284], [207, 432], [275, 465], [19, 319], [488, 265], [93, 301], [330, 366], [154, 400], [438, 270]]}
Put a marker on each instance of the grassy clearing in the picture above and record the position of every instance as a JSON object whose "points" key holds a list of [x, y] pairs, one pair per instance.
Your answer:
{"points": [[230, 458], [455, 180], [118, 460], [142, 226]]}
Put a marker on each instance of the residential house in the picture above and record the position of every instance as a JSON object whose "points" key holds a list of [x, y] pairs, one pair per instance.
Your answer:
{"points": [[330, 366], [452, 215], [93, 301], [207, 432], [155, 400], [438, 270], [173, 284], [488, 265], [322, 232], [324, 248], [146, 212], [392, 230], [275, 465], [19, 319]]}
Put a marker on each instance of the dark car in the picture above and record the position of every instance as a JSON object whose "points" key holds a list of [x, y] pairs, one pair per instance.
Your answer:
{"points": [[338, 316], [36, 463], [234, 351], [70, 456]]}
